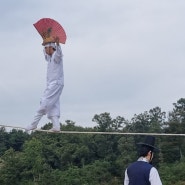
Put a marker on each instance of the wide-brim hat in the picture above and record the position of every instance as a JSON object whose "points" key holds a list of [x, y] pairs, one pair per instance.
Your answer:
{"points": [[149, 142]]}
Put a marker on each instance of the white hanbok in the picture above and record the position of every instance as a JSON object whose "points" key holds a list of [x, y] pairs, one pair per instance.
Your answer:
{"points": [[50, 100]]}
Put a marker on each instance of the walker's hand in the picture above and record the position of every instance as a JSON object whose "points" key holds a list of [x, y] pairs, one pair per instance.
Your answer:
{"points": [[57, 40]]}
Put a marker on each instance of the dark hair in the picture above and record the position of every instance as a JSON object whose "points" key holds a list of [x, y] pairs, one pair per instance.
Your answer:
{"points": [[143, 151]]}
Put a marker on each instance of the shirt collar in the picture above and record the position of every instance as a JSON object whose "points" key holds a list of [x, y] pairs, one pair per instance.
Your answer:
{"points": [[143, 159]]}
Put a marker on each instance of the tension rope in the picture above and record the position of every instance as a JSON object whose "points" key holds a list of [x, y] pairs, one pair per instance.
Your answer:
{"points": [[103, 133]]}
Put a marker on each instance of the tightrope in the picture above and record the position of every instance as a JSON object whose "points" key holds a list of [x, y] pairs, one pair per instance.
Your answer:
{"points": [[103, 133]]}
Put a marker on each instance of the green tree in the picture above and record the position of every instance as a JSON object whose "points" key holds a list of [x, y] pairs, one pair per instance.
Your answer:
{"points": [[34, 161], [4, 145], [174, 147], [149, 121], [11, 168], [106, 123]]}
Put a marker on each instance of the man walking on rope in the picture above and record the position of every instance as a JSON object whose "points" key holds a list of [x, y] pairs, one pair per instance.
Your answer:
{"points": [[50, 101], [142, 172]]}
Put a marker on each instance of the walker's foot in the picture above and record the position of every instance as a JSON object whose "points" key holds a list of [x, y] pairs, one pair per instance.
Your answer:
{"points": [[30, 127]]}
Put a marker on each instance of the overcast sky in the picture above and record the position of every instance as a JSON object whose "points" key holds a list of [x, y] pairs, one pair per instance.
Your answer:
{"points": [[121, 56]]}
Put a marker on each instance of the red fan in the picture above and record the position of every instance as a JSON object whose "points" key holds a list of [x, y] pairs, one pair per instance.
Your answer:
{"points": [[49, 28]]}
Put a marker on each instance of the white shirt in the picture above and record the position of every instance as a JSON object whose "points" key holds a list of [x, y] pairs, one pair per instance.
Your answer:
{"points": [[55, 72], [153, 176]]}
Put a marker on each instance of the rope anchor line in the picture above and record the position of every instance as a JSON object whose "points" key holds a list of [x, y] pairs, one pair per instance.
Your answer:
{"points": [[103, 133]]}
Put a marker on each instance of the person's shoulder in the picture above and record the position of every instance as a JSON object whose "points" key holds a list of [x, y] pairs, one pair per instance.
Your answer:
{"points": [[132, 164], [154, 169]]}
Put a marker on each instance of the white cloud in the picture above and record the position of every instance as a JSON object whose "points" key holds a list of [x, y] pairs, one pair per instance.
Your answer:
{"points": [[122, 57]]}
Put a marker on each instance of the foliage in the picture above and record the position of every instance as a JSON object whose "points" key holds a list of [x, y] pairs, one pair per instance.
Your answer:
{"points": [[91, 159]]}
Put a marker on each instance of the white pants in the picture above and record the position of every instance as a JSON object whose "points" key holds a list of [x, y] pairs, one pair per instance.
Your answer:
{"points": [[49, 104]]}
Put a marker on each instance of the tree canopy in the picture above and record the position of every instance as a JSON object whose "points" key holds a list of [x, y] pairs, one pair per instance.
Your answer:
{"points": [[91, 159]]}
